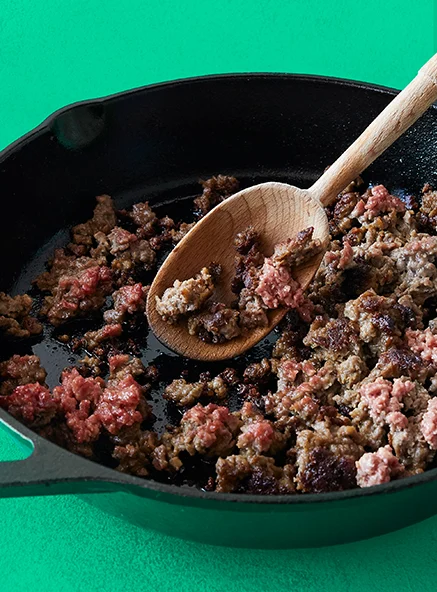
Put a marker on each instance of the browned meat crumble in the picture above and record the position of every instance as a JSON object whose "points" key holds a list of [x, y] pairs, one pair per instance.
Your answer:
{"points": [[346, 397], [215, 190], [261, 283], [15, 319]]}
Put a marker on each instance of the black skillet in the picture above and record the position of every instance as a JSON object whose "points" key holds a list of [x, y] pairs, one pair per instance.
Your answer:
{"points": [[155, 143]]}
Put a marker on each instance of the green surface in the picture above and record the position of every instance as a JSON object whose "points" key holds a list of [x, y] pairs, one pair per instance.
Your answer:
{"points": [[54, 53]]}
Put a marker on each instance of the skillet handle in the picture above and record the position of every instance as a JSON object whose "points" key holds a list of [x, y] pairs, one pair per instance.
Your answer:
{"points": [[51, 470]]}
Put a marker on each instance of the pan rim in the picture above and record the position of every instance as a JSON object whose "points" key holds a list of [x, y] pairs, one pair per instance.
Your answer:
{"points": [[311, 78]]}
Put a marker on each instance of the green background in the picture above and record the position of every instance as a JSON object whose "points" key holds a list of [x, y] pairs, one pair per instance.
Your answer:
{"points": [[59, 51]]}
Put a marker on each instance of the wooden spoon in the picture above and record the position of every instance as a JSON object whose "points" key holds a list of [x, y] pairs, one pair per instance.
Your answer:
{"points": [[278, 211]]}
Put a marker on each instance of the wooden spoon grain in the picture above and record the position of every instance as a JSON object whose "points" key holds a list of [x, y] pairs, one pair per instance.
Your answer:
{"points": [[278, 211]]}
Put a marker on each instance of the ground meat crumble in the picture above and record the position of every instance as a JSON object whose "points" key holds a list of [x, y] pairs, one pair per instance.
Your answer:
{"points": [[345, 398], [15, 318], [266, 283]]}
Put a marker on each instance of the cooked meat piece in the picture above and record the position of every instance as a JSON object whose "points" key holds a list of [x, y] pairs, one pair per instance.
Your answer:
{"points": [[101, 252], [410, 446], [380, 321], [258, 373], [397, 362], [79, 295], [326, 456], [326, 472], [215, 190], [165, 456], [253, 474], [247, 269], [229, 377], [182, 230], [341, 220], [244, 241], [122, 365], [351, 371], [185, 297], [92, 339], [62, 265], [380, 202], [185, 393], [252, 310], [15, 319], [428, 425], [134, 451], [128, 300], [104, 220], [209, 430], [333, 338], [78, 398], [374, 468], [257, 434], [20, 370], [301, 389], [90, 366], [31, 403], [278, 288], [122, 405], [139, 256], [216, 325], [415, 264], [140, 253], [298, 250], [160, 235], [428, 209], [143, 215], [120, 240]]}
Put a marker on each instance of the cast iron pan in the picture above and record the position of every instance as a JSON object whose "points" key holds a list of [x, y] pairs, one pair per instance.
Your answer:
{"points": [[154, 143]]}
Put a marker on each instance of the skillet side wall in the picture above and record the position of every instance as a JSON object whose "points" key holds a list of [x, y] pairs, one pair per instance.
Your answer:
{"points": [[274, 526]]}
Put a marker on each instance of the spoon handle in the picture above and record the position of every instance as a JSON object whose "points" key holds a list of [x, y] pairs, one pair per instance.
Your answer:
{"points": [[391, 123]]}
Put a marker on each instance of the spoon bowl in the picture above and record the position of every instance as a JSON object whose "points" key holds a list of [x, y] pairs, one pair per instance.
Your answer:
{"points": [[277, 211]]}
